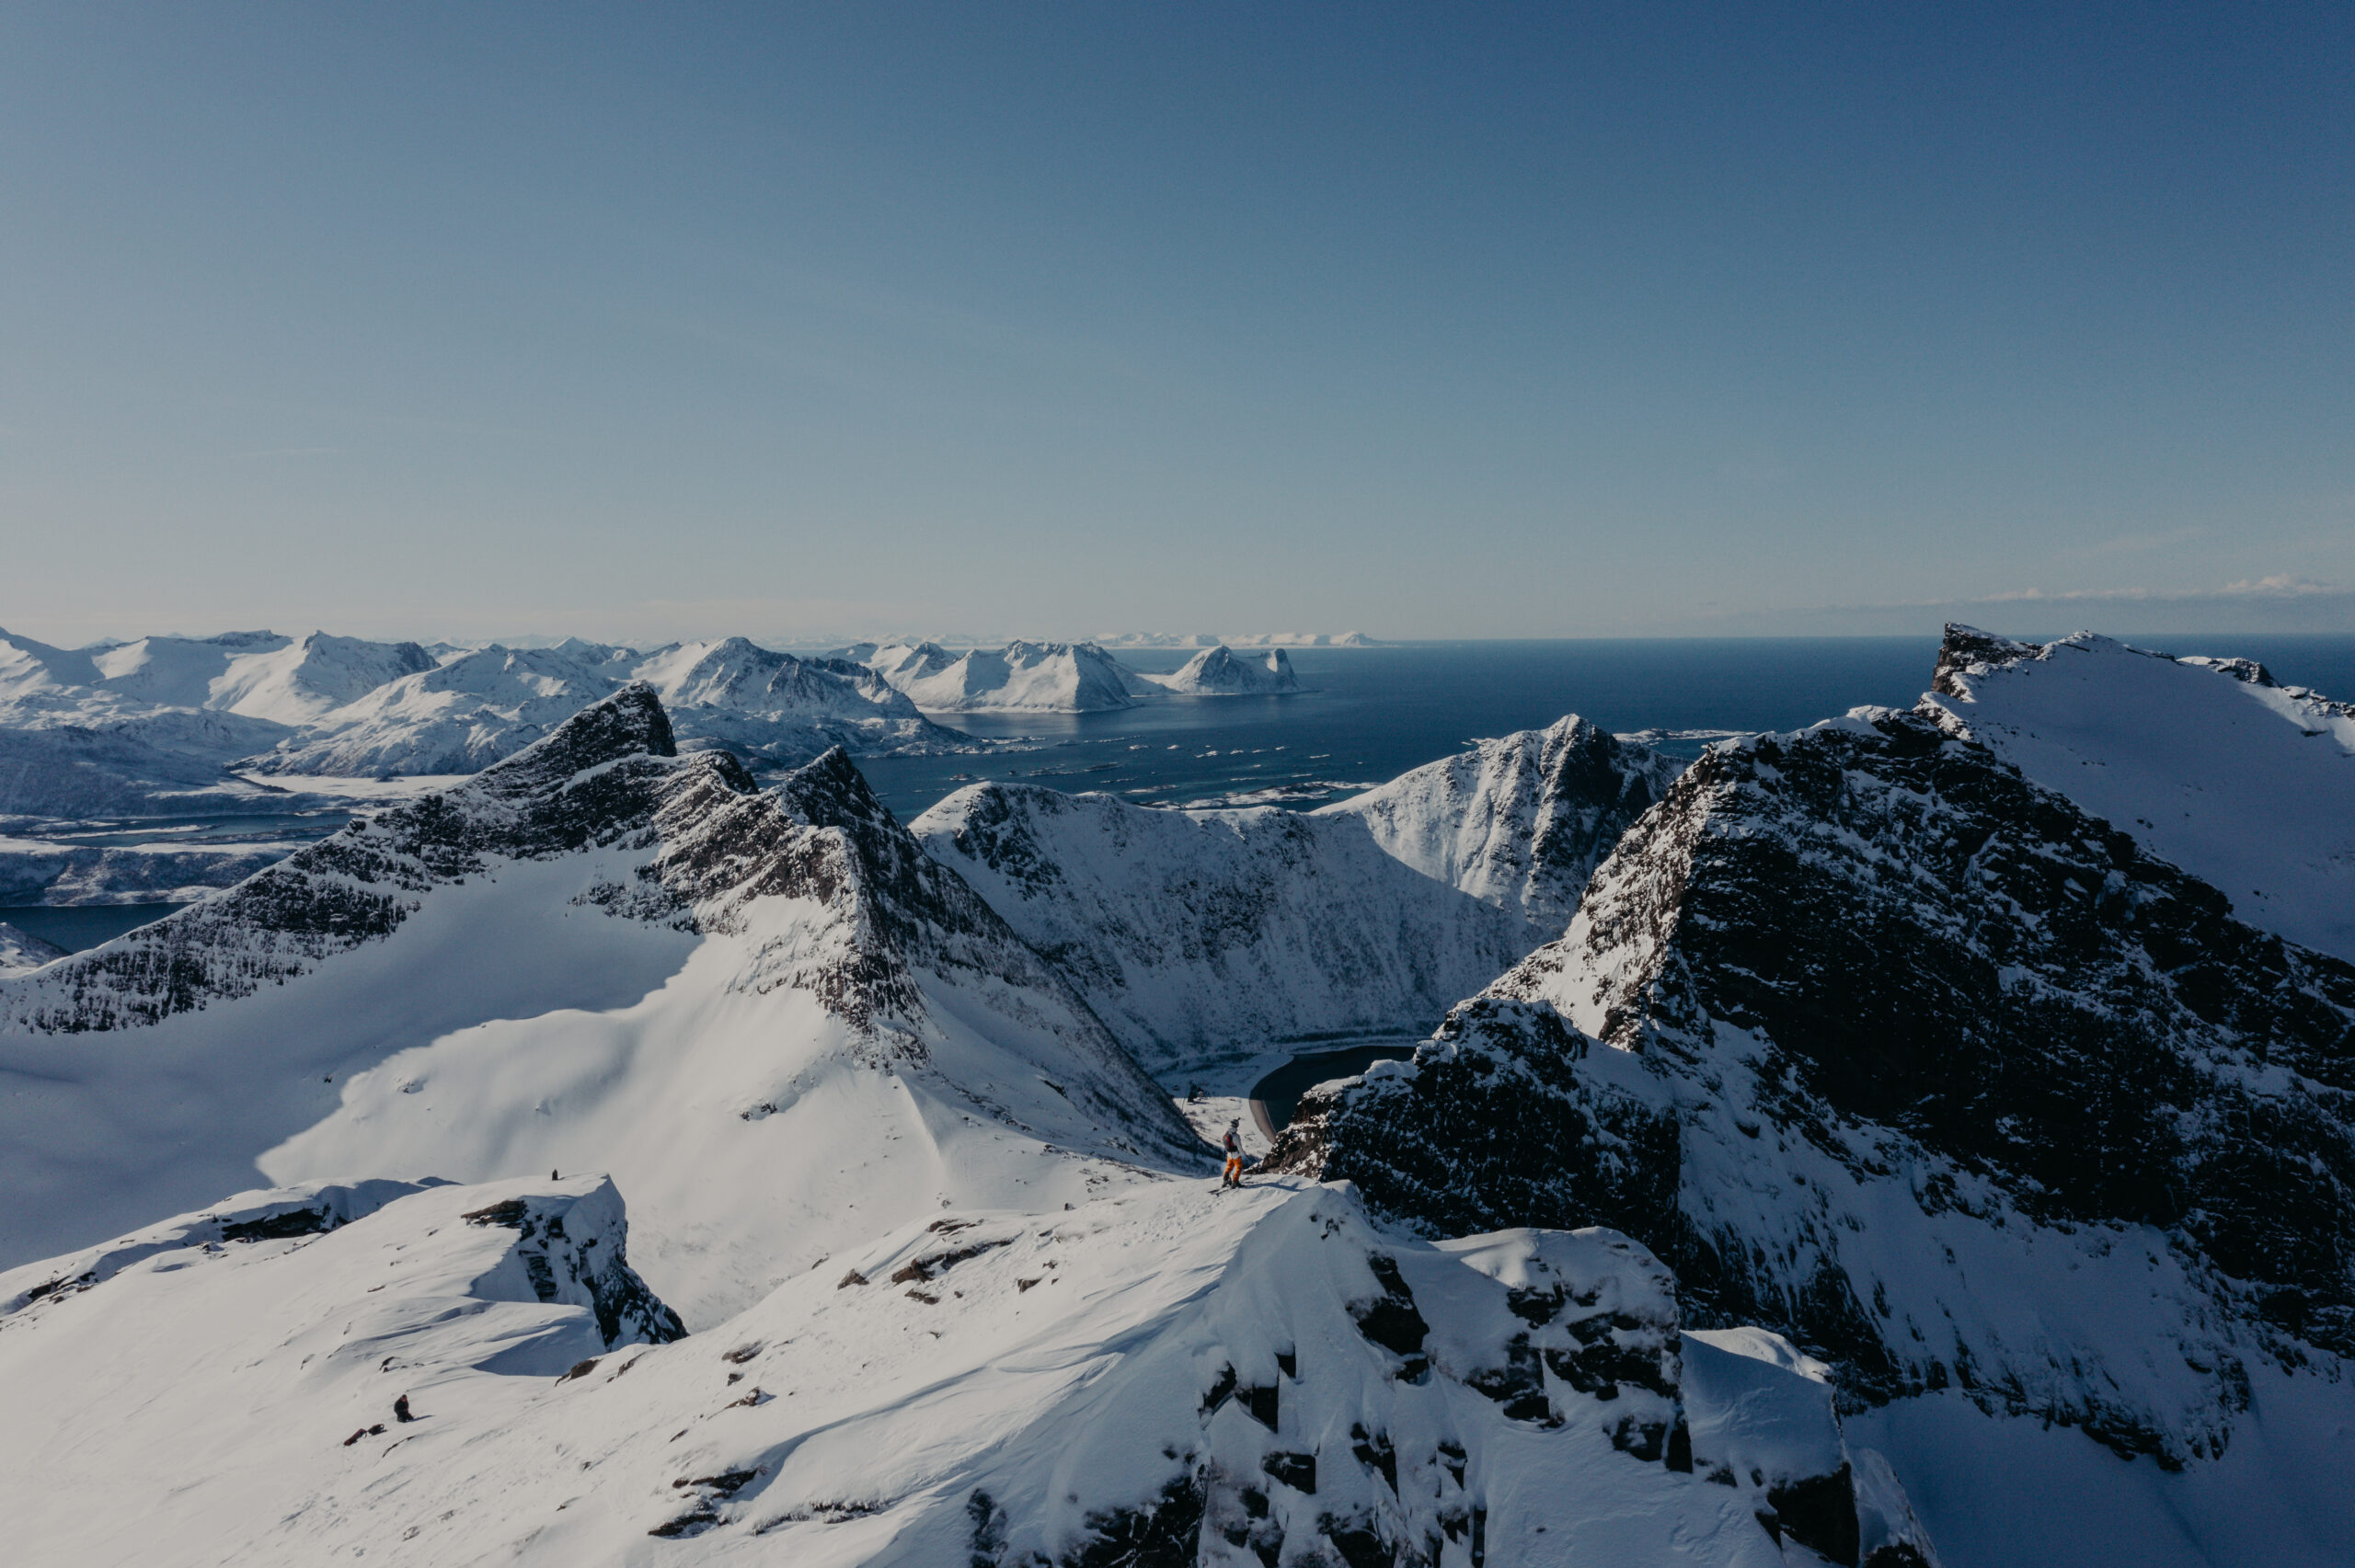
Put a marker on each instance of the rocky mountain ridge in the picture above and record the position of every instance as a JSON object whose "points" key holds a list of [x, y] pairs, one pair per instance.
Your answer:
{"points": [[782, 978], [2208, 763], [1867, 999]]}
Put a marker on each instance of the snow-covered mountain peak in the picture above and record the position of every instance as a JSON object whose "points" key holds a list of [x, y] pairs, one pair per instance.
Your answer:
{"points": [[1878, 1001], [2208, 763], [27, 668], [1520, 821], [1221, 672]]}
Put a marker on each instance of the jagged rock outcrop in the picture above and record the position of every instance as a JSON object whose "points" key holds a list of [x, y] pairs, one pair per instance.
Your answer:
{"points": [[591, 954], [1196, 934], [1520, 821], [2209, 762], [1950, 1081]]}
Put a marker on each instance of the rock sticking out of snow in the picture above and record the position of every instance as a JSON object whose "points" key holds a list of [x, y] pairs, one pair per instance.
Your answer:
{"points": [[597, 953], [1174, 1375], [1908, 1057]]}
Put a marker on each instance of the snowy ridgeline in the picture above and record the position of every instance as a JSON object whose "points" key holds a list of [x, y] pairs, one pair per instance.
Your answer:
{"points": [[939, 1235], [1169, 1376], [165, 723], [2208, 763], [1063, 678], [2011, 1141]]}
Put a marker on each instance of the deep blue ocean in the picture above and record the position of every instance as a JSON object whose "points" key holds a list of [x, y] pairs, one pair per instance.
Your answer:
{"points": [[1367, 714]]}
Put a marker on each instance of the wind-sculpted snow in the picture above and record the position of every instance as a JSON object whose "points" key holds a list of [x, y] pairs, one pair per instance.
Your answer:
{"points": [[2208, 763], [1201, 934], [1952, 1082], [1171, 1376], [1519, 822], [597, 953]]}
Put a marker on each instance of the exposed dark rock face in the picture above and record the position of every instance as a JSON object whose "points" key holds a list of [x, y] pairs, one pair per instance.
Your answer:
{"points": [[1531, 1141], [627, 1311], [1964, 647], [1880, 1008], [362, 883]]}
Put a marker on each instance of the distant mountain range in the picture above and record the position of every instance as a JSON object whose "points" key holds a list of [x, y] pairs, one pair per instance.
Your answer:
{"points": [[166, 724]]}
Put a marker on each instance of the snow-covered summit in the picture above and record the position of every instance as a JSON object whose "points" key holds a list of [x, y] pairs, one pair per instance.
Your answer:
{"points": [[2209, 762], [262, 675], [1021, 677], [456, 717], [1221, 672], [1522, 821], [464, 713], [1199, 933], [596, 954]]}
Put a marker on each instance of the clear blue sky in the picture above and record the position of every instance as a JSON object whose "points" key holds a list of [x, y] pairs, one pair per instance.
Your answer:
{"points": [[1440, 320]]}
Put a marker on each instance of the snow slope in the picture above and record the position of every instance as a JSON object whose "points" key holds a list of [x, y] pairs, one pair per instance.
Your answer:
{"points": [[1519, 822], [1169, 1375], [1196, 934], [596, 954], [21, 952], [259, 674], [455, 717], [2209, 763], [302, 682]]}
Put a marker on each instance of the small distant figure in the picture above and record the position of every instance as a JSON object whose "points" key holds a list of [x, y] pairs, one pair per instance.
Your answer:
{"points": [[400, 1409], [553, 1177], [1234, 1177], [1194, 1094]]}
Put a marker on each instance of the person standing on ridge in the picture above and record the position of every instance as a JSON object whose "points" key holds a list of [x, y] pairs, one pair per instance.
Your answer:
{"points": [[1234, 1177]]}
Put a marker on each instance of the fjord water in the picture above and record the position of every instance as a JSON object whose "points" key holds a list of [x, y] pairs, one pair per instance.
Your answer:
{"points": [[1364, 715]]}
